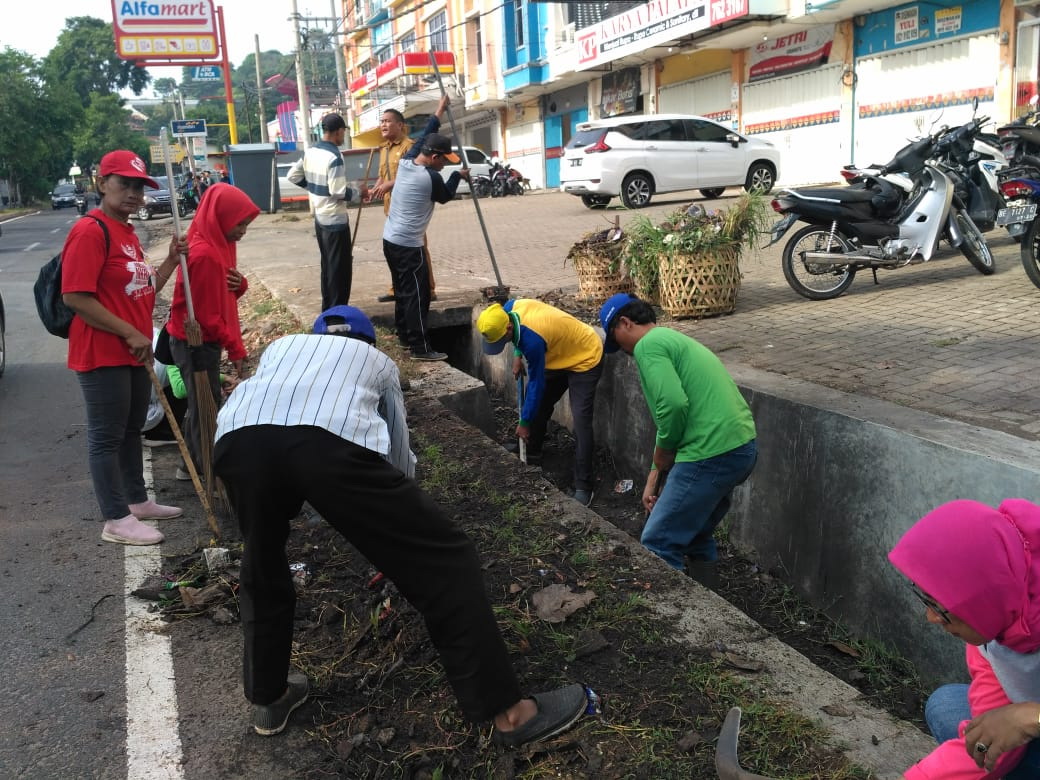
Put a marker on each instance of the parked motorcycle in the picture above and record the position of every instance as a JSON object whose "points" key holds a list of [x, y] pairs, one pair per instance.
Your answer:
{"points": [[505, 180], [1022, 190], [879, 225], [480, 185]]}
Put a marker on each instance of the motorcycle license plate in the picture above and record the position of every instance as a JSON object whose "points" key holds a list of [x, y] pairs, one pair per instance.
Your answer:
{"points": [[575, 162], [781, 227], [1012, 214]]}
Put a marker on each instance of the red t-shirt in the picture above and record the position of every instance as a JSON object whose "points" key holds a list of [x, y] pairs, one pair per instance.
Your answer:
{"points": [[122, 281]]}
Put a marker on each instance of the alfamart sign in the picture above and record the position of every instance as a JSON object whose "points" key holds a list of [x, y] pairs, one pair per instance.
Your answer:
{"points": [[652, 24], [172, 30]]}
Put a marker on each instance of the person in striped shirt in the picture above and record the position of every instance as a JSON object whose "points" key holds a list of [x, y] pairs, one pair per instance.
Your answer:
{"points": [[322, 420]]}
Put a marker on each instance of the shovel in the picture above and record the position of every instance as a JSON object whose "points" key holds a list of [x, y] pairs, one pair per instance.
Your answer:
{"points": [[726, 762]]}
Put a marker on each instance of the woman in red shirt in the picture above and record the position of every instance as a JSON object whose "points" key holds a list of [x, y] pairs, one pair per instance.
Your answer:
{"points": [[108, 283], [216, 285]]}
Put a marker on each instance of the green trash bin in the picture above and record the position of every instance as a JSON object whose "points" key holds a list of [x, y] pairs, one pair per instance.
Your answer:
{"points": [[252, 170]]}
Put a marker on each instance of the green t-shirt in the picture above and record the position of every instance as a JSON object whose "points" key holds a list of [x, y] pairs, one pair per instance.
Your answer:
{"points": [[696, 406]]}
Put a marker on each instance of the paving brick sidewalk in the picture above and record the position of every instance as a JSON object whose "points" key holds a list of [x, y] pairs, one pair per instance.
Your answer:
{"points": [[939, 337]]}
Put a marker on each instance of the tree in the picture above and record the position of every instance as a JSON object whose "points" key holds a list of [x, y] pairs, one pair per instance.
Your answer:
{"points": [[164, 87], [106, 127], [35, 134], [85, 60]]}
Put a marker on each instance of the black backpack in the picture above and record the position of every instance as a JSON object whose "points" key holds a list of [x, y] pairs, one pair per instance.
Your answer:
{"points": [[55, 315]]}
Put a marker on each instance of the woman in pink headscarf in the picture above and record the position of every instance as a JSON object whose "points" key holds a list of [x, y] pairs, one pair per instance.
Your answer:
{"points": [[977, 570], [219, 224]]}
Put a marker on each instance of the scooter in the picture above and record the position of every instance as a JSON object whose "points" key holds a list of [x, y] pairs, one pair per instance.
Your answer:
{"points": [[877, 226], [81, 203], [1022, 191]]}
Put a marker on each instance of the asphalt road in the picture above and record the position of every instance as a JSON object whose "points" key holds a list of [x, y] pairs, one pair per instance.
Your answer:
{"points": [[92, 688]]}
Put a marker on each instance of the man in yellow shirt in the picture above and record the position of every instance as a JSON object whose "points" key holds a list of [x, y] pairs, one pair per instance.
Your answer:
{"points": [[396, 144], [563, 354]]}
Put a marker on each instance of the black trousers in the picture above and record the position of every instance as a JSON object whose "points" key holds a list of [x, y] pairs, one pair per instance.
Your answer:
{"points": [[270, 470], [410, 273], [189, 360], [582, 387], [337, 265]]}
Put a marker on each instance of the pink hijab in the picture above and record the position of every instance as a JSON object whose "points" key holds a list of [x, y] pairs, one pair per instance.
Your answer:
{"points": [[223, 206], [979, 563]]}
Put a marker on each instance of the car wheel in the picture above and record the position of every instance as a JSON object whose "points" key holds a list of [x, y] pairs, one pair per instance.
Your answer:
{"points": [[713, 192], [760, 178], [595, 201], [144, 214], [636, 190]]}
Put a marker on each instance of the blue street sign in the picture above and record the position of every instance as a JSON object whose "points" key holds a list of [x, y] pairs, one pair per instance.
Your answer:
{"points": [[188, 128], [206, 73]]}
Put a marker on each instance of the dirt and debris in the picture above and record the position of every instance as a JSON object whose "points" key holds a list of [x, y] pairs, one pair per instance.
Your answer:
{"points": [[381, 707]]}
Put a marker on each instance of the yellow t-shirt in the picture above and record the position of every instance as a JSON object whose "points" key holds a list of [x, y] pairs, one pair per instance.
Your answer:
{"points": [[390, 154]]}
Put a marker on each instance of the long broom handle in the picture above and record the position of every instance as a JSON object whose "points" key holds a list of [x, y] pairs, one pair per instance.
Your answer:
{"points": [[357, 219], [465, 164], [182, 445], [165, 141]]}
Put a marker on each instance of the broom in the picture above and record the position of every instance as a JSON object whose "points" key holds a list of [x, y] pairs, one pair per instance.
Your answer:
{"points": [[211, 519], [205, 410]]}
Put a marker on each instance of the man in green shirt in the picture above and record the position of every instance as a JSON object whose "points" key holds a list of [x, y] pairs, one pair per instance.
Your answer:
{"points": [[705, 433]]}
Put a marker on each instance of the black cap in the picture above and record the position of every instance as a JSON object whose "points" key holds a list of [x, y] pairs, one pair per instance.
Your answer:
{"points": [[330, 123], [441, 144]]}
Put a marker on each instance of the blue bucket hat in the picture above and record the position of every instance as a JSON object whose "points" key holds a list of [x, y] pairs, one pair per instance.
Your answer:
{"points": [[607, 312], [345, 321]]}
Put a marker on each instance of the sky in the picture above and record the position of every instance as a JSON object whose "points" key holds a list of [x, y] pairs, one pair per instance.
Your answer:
{"points": [[36, 33]]}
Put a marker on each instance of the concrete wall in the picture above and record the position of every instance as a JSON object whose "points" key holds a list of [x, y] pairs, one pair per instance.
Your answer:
{"points": [[839, 479]]}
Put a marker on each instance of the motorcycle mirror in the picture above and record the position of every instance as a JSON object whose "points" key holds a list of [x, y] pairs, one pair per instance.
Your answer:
{"points": [[1034, 100], [974, 104]]}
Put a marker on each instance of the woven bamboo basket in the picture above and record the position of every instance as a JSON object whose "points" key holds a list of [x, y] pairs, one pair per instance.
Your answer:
{"points": [[700, 285], [596, 280]]}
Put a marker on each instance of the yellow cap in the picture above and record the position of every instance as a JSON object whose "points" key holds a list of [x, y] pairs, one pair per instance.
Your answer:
{"points": [[492, 323]]}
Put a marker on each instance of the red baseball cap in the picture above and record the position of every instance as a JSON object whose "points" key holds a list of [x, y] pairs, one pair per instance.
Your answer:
{"points": [[128, 165]]}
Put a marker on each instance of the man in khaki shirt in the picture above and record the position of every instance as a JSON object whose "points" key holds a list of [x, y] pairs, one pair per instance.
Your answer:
{"points": [[396, 144]]}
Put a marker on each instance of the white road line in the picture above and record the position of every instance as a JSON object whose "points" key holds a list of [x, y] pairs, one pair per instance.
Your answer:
{"points": [[153, 744], [31, 246]]}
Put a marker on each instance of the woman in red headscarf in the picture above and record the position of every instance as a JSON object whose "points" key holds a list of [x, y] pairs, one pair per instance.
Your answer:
{"points": [[977, 570], [216, 285]]}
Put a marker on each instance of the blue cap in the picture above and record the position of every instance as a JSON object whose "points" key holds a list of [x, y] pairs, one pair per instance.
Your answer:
{"points": [[607, 312], [345, 321]]}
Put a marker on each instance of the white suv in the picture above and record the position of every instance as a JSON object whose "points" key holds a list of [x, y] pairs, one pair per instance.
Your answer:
{"points": [[637, 156], [479, 165]]}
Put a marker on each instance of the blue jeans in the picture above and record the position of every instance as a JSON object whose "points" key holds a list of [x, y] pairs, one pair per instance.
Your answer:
{"points": [[117, 404], [695, 498], [948, 706]]}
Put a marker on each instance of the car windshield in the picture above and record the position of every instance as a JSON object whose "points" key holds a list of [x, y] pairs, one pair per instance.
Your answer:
{"points": [[64, 189], [162, 181]]}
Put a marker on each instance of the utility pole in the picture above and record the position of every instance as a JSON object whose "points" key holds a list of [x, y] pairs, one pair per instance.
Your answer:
{"points": [[301, 83], [341, 73], [260, 91]]}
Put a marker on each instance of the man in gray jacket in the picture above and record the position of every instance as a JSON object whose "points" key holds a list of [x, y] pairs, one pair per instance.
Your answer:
{"points": [[320, 171]]}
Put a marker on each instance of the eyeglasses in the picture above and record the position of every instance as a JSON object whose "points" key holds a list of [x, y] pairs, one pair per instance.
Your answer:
{"points": [[931, 603]]}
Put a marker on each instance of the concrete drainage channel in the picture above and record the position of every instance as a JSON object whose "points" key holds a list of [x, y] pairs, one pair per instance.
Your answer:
{"points": [[871, 737]]}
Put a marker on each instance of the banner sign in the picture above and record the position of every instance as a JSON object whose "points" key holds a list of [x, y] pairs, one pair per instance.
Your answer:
{"points": [[652, 24], [188, 128], [156, 153], [164, 29], [792, 53], [620, 94], [404, 64]]}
